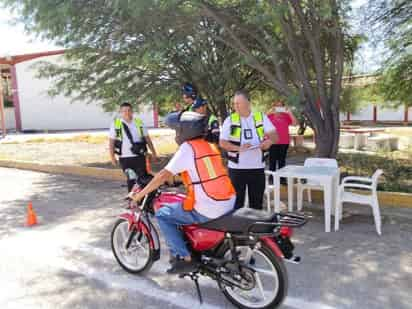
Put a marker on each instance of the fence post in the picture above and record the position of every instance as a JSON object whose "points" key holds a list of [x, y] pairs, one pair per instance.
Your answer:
{"points": [[155, 115], [406, 115], [3, 120]]}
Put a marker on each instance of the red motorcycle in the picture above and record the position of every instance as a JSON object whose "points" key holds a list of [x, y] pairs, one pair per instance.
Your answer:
{"points": [[244, 251]]}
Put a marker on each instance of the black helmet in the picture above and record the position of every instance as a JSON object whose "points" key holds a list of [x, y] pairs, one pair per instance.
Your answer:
{"points": [[199, 102], [189, 90], [188, 125]]}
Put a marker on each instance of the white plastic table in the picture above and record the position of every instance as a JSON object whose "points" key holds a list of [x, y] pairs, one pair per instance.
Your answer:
{"points": [[328, 177]]}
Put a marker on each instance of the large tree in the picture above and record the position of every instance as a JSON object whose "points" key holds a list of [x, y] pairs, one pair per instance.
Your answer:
{"points": [[300, 47]]}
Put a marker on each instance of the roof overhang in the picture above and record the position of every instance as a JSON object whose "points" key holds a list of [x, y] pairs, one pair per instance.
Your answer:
{"points": [[12, 60]]}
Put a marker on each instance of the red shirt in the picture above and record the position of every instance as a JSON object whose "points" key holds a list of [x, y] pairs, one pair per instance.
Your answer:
{"points": [[281, 121]]}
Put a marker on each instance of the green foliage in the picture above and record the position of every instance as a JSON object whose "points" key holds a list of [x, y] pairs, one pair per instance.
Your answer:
{"points": [[301, 48], [353, 97], [392, 24], [397, 172], [136, 51], [140, 50], [7, 102], [349, 102], [396, 81]]}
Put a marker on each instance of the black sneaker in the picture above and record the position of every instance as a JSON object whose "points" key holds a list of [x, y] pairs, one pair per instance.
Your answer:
{"points": [[182, 267]]}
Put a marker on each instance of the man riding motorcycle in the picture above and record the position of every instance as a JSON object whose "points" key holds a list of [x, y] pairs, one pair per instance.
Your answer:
{"points": [[210, 193]]}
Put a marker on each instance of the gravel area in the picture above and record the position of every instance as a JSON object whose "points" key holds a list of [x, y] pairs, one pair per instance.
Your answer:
{"points": [[70, 153], [89, 154], [73, 153]]}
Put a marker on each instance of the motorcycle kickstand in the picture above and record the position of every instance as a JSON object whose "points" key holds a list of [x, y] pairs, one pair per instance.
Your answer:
{"points": [[195, 278]]}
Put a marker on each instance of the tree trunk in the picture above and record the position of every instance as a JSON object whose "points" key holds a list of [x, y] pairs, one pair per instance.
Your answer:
{"points": [[222, 107], [327, 141]]}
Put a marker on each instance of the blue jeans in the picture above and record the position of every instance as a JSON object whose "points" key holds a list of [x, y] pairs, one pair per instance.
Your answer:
{"points": [[170, 217]]}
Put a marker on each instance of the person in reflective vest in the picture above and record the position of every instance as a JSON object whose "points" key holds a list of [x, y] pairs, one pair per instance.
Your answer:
{"points": [[189, 95], [246, 136], [236, 133], [118, 126], [210, 193], [213, 127], [129, 141]]}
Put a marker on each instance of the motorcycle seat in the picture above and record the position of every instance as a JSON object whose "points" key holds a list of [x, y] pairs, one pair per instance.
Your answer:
{"points": [[240, 220]]}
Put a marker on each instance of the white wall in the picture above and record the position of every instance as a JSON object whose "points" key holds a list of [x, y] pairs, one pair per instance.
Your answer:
{"points": [[41, 112], [146, 114], [365, 113], [10, 119], [385, 114]]}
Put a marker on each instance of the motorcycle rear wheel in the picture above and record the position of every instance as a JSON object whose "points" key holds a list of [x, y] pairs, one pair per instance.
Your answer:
{"points": [[129, 259], [275, 269]]}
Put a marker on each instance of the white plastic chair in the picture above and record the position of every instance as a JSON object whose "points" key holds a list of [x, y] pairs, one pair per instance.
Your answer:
{"points": [[311, 184], [353, 182], [269, 188]]}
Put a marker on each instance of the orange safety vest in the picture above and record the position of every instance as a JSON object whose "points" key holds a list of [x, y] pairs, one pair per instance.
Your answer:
{"points": [[212, 174]]}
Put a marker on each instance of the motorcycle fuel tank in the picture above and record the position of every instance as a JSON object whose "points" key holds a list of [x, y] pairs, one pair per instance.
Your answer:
{"points": [[168, 198], [203, 239]]}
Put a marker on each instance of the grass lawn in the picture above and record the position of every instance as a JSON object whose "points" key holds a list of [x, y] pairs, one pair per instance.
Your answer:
{"points": [[397, 167], [400, 131], [85, 138], [164, 144], [89, 150]]}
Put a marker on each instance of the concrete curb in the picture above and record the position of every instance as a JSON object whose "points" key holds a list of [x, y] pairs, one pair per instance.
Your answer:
{"points": [[393, 199]]}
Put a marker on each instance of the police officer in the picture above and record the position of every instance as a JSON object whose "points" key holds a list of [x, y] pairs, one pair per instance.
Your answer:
{"points": [[246, 136], [189, 94], [200, 106], [129, 140]]}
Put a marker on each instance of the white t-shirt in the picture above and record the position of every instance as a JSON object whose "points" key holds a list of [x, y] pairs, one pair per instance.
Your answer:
{"points": [[126, 145], [183, 160], [249, 159]]}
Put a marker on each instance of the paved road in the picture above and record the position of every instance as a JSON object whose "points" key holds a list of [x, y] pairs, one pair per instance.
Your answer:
{"points": [[66, 262]]}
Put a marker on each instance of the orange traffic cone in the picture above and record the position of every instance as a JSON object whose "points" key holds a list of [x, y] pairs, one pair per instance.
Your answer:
{"points": [[31, 215]]}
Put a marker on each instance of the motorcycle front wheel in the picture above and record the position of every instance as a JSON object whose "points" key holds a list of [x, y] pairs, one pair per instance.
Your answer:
{"points": [[268, 277], [138, 257]]}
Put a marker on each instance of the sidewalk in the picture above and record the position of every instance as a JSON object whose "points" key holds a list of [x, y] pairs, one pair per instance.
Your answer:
{"points": [[24, 137]]}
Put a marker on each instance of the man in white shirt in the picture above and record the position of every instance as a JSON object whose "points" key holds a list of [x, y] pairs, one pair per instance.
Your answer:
{"points": [[246, 136], [210, 193], [128, 138]]}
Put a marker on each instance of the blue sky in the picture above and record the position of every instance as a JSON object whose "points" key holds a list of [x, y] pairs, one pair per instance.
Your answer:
{"points": [[17, 41]]}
